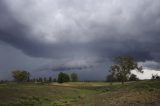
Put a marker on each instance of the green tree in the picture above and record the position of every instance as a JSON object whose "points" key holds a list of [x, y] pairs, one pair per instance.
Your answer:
{"points": [[123, 66], [111, 78], [153, 77], [40, 79], [50, 79], [133, 77], [63, 77], [20, 75], [54, 80], [74, 77], [44, 79]]}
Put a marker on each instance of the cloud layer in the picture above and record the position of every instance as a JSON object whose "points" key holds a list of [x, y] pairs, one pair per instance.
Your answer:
{"points": [[94, 30]]}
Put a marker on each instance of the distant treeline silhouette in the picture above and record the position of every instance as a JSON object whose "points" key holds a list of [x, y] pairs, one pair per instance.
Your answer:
{"points": [[155, 77], [24, 76]]}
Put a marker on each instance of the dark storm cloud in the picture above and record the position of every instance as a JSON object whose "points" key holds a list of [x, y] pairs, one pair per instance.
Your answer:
{"points": [[14, 32], [64, 68], [19, 35], [93, 29]]}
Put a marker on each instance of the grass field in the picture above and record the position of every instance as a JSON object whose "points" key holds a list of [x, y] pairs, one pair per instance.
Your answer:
{"points": [[141, 93]]}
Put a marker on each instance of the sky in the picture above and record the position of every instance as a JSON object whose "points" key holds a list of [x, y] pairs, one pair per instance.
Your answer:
{"points": [[46, 37]]}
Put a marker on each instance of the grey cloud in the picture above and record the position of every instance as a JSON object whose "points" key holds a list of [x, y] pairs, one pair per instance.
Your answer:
{"points": [[79, 29], [150, 65], [64, 68]]}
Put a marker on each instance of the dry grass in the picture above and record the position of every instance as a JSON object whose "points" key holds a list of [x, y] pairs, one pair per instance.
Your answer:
{"points": [[143, 93], [127, 98], [81, 84]]}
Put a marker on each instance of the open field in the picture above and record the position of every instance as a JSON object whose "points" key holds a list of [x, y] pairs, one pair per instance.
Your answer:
{"points": [[142, 93]]}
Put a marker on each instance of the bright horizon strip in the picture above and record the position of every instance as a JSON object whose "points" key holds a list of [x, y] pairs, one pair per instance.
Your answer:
{"points": [[147, 73]]}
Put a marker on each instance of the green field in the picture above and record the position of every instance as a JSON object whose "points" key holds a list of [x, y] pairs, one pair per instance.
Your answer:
{"points": [[141, 93]]}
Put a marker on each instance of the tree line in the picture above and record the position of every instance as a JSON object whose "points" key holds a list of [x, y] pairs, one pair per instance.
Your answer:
{"points": [[120, 71], [24, 76]]}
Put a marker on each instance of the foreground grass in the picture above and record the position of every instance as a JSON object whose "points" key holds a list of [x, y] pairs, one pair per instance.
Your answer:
{"points": [[143, 93]]}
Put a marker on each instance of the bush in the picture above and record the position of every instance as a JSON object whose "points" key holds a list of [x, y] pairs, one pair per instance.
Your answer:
{"points": [[133, 77], [110, 78], [21, 75], [63, 77], [74, 77]]}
